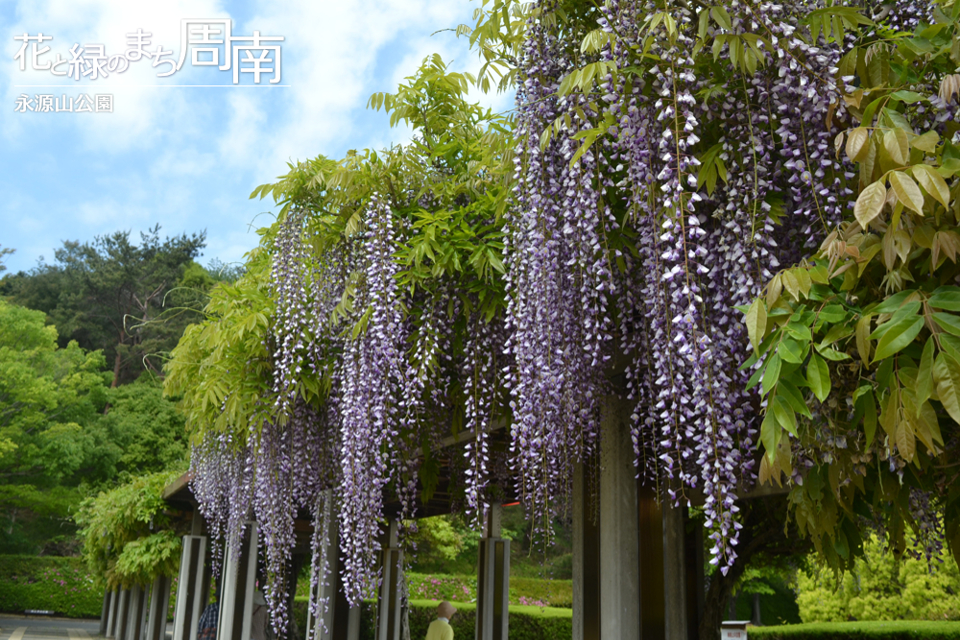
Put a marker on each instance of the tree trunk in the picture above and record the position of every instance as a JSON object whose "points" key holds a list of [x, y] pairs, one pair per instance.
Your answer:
{"points": [[719, 595], [756, 620], [116, 368], [763, 533]]}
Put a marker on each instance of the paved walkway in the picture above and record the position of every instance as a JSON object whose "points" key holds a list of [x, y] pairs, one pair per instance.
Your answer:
{"points": [[42, 628]]}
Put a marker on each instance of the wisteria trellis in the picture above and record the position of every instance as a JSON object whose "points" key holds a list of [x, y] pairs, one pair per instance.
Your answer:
{"points": [[656, 184]]}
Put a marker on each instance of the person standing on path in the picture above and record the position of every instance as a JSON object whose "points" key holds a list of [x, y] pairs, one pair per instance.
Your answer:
{"points": [[440, 628]]}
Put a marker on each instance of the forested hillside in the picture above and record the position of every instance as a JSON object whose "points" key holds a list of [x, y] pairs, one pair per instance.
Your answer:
{"points": [[82, 344]]}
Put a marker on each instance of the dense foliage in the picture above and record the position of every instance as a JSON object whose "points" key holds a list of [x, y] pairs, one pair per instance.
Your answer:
{"points": [[42, 385], [129, 535], [858, 344], [130, 301], [142, 432], [663, 163], [55, 584], [48, 396], [881, 586], [73, 426], [56, 443]]}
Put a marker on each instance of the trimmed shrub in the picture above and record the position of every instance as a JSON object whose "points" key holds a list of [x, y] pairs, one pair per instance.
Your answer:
{"points": [[536, 592], [893, 630], [526, 623], [882, 587], [48, 583], [439, 586], [463, 588]]}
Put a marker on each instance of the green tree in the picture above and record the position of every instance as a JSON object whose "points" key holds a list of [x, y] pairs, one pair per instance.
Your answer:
{"points": [[46, 394], [437, 544], [145, 428], [56, 444], [125, 299], [48, 398], [39, 289], [119, 289], [4, 251]]}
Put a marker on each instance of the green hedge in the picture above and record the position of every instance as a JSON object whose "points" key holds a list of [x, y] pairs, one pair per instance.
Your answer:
{"points": [[526, 623], [48, 583], [898, 630], [463, 588], [555, 593]]}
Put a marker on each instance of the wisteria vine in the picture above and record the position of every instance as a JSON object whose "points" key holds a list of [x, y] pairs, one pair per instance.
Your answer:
{"points": [[651, 196]]}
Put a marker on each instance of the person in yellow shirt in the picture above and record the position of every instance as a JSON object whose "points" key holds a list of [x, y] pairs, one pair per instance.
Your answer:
{"points": [[440, 628]]}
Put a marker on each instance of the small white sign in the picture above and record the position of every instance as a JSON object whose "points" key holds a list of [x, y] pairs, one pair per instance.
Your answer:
{"points": [[734, 630]]}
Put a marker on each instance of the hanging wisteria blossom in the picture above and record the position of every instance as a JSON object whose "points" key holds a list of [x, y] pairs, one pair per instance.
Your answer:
{"points": [[664, 168]]}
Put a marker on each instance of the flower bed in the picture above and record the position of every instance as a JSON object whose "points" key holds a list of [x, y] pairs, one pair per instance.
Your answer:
{"points": [[463, 588]]}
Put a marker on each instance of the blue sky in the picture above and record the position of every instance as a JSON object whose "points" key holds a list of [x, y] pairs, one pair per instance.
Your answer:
{"points": [[188, 158]]}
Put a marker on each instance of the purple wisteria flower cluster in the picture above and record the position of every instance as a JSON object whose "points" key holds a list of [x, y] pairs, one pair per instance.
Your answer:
{"points": [[724, 172], [652, 196], [560, 283]]}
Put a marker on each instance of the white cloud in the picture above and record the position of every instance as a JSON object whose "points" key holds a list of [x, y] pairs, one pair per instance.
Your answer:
{"points": [[330, 58], [188, 158]]}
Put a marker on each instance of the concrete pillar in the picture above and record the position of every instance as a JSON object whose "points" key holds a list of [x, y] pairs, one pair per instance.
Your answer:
{"points": [[322, 624], [104, 612], [491, 524], [696, 580], [239, 577], [353, 622], [123, 615], [111, 630], [338, 621], [619, 580], [137, 615], [196, 523], [636, 573], [389, 605], [650, 525], [674, 573], [586, 554], [191, 596], [157, 613], [493, 580]]}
